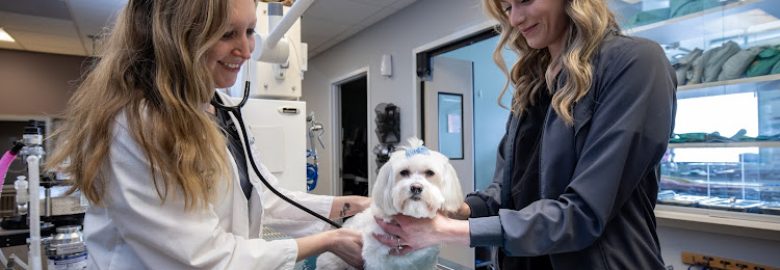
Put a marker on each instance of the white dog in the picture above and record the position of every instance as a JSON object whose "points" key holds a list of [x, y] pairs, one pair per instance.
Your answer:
{"points": [[416, 182]]}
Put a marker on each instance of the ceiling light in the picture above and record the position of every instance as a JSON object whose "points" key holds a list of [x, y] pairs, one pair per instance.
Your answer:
{"points": [[4, 36]]}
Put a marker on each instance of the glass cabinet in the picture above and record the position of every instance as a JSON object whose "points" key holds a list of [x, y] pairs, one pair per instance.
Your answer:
{"points": [[725, 153]]}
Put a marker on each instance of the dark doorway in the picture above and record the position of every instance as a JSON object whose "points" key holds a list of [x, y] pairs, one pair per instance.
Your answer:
{"points": [[354, 137]]}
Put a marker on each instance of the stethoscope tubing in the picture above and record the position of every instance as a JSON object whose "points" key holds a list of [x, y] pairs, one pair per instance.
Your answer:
{"points": [[236, 111]]}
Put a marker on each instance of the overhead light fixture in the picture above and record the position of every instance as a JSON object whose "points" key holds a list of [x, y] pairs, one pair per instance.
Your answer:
{"points": [[4, 36]]}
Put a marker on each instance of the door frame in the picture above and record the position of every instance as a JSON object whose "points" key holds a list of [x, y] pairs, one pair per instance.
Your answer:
{"points": [[417, 82], [335, 97], [418, 86]]}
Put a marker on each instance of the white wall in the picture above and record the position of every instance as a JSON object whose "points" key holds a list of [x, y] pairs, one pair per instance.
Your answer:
{"points": [[419, 24]]}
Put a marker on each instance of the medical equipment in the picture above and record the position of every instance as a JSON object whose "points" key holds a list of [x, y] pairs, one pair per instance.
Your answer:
{"points": [[312, 169], [272, 48], [280, 58], [22, 197], [32, 203], [7, 159], [236, 111], [66, 250], [388, 131], [33, 151]]}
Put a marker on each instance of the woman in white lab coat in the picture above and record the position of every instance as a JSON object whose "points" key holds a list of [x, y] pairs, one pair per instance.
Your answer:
{"points": [[145, 147]]}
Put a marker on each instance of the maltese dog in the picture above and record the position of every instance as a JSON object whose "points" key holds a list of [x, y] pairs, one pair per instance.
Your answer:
{"points": [[416, 182]]}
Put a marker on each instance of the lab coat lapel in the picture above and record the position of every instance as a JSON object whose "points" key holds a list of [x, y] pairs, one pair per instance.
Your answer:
{"points": [[255, 210], [241, 209]]}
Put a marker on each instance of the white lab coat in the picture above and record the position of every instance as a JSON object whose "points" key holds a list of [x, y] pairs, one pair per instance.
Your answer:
{"points": [[137, 231]]}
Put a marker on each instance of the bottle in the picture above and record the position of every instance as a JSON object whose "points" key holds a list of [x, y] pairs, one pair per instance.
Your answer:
{"points": [[22, 196]]}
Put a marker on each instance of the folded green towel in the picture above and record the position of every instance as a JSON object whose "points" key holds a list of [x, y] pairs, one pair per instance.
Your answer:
{"points": [[776, 69], [764, 62]]}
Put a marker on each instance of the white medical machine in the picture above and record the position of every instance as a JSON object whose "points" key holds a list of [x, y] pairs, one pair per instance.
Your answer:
{"points": [[273, 79], [273, 111]]}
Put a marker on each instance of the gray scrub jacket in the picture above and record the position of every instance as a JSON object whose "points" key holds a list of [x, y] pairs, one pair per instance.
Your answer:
{"points": [[598, 178]]}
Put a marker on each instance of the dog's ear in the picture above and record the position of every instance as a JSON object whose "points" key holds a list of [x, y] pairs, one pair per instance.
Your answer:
{"points": [[453, 194], [381, 192]]}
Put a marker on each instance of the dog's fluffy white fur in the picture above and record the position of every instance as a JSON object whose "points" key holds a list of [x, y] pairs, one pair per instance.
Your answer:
{"points": [[415, 182]]}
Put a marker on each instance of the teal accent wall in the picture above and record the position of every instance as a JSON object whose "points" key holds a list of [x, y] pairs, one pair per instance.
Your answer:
{"points": [[489, 117]]}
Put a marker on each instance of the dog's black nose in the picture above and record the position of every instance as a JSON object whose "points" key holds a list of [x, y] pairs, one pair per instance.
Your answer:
{"points": [[416, 189]]}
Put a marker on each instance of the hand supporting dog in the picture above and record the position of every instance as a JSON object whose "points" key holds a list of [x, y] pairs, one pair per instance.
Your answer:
{"points": [[415, 233], [416, 182]]}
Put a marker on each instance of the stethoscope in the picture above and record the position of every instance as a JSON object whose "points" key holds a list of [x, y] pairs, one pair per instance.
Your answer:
{"points": [[236, 111]]}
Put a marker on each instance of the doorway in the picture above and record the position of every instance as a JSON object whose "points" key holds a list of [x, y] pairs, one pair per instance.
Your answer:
{"points": [[449, 95], [353, 126]]}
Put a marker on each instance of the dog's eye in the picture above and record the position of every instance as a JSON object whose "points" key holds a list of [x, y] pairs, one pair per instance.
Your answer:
{"points": [[405, 173], [429, 173]]}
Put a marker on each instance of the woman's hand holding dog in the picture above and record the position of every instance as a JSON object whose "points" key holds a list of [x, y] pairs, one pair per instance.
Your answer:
{"points": [[406, 234], [348, 245]]}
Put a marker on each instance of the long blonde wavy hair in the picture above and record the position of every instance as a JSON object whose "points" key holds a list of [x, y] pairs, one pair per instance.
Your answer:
{"points": [[590, 22], [152, 68]]}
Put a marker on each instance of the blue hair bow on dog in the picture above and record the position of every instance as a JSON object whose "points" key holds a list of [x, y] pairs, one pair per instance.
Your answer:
{"points": [[420, 150]]}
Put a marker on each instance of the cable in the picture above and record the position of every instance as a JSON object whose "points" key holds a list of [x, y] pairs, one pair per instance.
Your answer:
{"points": [[248, 149], [236, 110]]}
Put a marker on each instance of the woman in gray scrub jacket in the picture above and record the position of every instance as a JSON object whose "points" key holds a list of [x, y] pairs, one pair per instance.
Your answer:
{"points": [[577, 171]]}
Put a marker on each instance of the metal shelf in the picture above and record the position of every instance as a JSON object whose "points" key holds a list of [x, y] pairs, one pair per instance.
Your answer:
{"points": [[681, 28], [760, 226], [738, 84], [762, 144]]}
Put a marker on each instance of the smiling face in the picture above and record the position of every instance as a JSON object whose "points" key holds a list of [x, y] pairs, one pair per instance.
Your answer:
{"points": [[543, 23], [225, 58]]}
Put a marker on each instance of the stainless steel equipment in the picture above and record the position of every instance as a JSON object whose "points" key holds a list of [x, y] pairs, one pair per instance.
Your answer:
{"points": [[66, 250]]}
